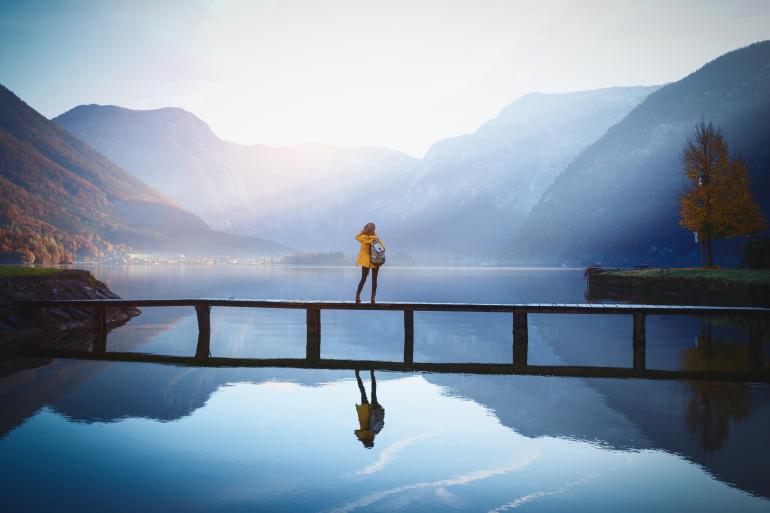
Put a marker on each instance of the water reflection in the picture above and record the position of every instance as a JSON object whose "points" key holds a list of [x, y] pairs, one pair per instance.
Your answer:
{"points": [[444, 430], [711, 408], [371, 416], [147, 437]]}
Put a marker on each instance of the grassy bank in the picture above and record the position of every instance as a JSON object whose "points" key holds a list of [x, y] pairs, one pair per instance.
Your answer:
{"points": [[699, 275], [12, 271], [715, 286]]}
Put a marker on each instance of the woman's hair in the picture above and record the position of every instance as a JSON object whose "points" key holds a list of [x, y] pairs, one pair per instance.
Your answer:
{"points": [[368, 228]]}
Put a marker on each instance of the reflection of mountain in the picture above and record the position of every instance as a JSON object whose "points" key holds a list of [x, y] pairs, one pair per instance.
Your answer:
{"points": [[24, 392], [597, 411], [671, 416], [681, 417], [166, 393], [558, 407], [659, 406], [617, 201], [56, 378]]}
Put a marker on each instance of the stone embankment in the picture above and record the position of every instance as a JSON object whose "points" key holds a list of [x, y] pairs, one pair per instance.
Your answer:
{"points": [[18, 321]]}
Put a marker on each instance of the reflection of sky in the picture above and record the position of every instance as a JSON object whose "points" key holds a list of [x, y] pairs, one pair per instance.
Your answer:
{"points": [[264, 439], [283, 446]]}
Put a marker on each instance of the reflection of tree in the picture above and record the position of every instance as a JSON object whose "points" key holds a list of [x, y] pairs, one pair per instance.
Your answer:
{"points": [[713, 405]]}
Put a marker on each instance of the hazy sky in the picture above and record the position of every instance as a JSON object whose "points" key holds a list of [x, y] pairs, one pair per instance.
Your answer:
{"points": [[392, 73]]}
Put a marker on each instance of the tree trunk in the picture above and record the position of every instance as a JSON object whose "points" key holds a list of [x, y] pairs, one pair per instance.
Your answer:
{"points": [[702, 245], [709, 252]]}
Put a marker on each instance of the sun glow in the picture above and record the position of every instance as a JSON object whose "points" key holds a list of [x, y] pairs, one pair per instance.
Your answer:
{"points": [[397, 74]]}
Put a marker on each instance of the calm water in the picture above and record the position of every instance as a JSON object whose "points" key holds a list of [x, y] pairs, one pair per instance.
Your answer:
{"points": [[98, 436]]}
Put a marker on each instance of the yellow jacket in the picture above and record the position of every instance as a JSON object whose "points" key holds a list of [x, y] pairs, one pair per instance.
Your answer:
{"points": [[363, 416], [364, 255]]}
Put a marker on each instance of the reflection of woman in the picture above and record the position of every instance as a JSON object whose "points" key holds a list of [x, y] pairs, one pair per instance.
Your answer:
{"points": [[371, 417], [366, 238]]}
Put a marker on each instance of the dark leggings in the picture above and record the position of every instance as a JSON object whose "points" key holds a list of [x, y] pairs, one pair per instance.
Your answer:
{"points": [[364, 274], [363, 390]]}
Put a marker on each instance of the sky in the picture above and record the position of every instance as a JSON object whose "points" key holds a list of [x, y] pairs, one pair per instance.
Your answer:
{"points": [[398, 73]]}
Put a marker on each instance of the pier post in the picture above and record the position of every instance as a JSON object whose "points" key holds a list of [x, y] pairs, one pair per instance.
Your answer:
{"points": [[203, 312], [755, 344], [640, 341], [408, 336], [100, 329], [520, 339], [313, 348]]}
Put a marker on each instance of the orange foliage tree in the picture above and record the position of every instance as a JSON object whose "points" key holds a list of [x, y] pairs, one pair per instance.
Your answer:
{"points": [[719, 204]]}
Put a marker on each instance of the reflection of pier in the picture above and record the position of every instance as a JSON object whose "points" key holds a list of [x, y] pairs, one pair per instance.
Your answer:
{"points": [[519, 365]]}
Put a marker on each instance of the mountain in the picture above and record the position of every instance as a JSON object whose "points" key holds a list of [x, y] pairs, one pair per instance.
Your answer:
{"points": [[473, 191], [616, 204], [321, 196], [292, 193], [63, 200], [179, 154]]}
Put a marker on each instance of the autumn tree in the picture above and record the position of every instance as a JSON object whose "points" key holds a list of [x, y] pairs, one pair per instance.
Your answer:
{"points": [[719, 204]]}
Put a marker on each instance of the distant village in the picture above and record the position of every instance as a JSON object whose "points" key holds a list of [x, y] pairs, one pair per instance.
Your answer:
{"points": [[313, 258]]}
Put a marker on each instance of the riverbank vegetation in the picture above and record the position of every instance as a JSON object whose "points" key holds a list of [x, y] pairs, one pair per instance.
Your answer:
{"points": [[13, 271], [710, 285], [700, 274]]}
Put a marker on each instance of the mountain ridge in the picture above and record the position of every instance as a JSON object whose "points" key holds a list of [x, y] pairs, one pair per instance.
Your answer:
{"points": [[592, 214], [63, 200], [231, 186], [481, 185], [339, 189]]}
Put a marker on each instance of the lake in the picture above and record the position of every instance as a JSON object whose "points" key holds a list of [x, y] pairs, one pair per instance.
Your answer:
{"points": [[104, 436]]}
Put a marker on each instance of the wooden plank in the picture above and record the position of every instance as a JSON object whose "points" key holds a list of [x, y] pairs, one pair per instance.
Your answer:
{"points": [[463, 368], [591, 308], [408, 336]]}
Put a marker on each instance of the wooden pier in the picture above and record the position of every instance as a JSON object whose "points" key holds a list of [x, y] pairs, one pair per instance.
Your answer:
{"points": [[519, 312]]}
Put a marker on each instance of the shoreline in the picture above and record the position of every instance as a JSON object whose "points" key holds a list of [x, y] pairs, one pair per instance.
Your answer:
{"points": [[19, 323], [304, 266], [706, 286]]}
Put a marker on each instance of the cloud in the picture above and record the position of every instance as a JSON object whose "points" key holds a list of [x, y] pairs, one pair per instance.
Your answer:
{"points": [[390, 453], [536, 495], [460, 479]]}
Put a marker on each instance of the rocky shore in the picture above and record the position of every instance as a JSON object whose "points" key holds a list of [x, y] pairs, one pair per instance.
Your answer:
{"points": [[20, 322]]}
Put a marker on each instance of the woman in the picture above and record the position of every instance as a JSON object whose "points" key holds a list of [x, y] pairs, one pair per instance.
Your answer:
{"points": [[366, 238]]}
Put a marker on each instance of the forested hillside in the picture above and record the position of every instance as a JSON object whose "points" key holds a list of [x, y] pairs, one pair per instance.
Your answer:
{"points": [[617, 203], [62, 200]]}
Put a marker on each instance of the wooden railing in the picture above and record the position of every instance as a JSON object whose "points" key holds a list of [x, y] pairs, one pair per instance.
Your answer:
{"points": [[757, 318]]}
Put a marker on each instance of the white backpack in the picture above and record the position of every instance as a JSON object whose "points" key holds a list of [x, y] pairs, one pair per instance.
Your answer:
{"points": [[377, 252]]}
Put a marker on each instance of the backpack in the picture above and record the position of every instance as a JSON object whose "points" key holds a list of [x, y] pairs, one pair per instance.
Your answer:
{"points": [[377, 252]]}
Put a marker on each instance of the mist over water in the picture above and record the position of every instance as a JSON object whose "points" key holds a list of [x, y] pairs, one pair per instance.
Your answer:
{"points": [[134, 436]]}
